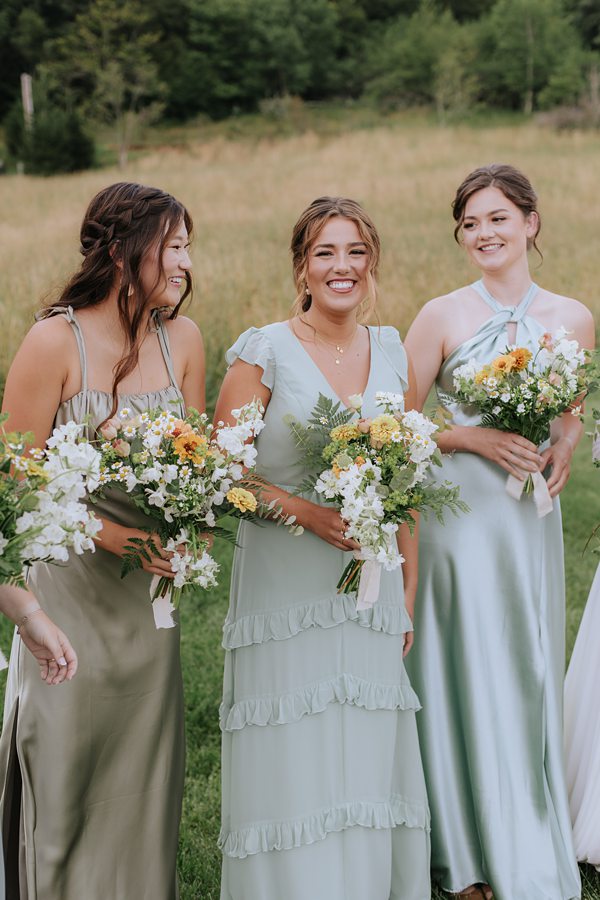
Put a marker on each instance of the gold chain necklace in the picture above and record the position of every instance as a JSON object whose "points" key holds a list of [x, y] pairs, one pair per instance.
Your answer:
{"points": [[339, 348]]}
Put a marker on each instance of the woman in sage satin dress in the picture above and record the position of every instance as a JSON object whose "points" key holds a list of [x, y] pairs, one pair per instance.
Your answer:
{"points": [[323, 790], [93, 773], [488, 661]]}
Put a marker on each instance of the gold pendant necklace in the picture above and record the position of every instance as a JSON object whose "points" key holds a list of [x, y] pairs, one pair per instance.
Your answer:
{"points": [[339, 349]]}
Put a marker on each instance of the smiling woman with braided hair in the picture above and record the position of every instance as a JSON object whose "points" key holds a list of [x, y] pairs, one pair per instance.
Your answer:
{"points": [[93, 779]]}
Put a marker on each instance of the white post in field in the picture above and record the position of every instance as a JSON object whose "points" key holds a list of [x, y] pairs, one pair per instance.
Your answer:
{"points": [[27, 97]]}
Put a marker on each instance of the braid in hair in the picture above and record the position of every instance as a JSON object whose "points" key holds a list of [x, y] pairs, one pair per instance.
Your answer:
{"points": [[123, 223]]}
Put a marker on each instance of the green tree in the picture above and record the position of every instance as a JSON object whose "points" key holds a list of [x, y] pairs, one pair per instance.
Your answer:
{"points": [[105, 62], [56, 141], [403, 57], [522, 45], [456, 80]]}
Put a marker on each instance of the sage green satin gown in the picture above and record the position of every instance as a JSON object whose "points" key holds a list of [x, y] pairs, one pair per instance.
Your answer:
{"points": [[323, 790], [93, 769], [488, 665]]}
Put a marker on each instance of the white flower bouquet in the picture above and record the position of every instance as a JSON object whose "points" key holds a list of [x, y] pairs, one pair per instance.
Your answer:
{"points": [[523, 392], [185, 474], [376, 472], [42, 513]]}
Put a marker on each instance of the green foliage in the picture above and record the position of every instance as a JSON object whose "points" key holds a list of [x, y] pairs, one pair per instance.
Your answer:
{"points": [[403, 59], [104, 61], [523, 43], [126, 64], [57, 141]]}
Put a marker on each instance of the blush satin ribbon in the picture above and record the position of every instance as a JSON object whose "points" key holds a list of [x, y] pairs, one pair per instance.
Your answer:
{"points": [[541, 494]]}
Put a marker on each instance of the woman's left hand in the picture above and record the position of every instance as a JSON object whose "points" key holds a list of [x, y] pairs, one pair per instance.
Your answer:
{"points": [[50, 647], [409, 636], [559, 456]]}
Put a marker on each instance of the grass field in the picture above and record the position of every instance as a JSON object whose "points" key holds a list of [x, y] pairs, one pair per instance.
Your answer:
{"points": [[244, 196]]}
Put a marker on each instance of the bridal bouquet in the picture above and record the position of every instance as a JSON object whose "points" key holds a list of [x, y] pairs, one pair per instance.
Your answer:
{"points": [[42, 513], [186, 474], [375, 471], [523, 392]]}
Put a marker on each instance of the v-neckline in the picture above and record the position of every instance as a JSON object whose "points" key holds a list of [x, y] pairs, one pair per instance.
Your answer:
{"points": [[324, 378]]}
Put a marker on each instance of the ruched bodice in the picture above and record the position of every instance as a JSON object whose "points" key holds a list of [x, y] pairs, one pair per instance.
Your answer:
{"points": [[489, 341]]}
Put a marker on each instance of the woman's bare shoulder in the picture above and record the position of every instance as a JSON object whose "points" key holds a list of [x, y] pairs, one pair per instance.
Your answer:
{"points": [[444, 307], [575, 313], [50, 338]]}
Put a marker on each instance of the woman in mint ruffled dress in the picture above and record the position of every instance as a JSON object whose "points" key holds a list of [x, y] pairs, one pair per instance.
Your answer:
{"points": [[489, 660], [323, 790]]}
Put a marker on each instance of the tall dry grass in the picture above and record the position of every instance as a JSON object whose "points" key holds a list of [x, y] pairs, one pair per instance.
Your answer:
{"points": [[245, 198]]}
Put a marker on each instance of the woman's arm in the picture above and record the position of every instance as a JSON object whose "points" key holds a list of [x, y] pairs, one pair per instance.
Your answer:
{"points": [[567, 430], [241, 385], [37, 378], [44, 640], [408, 544], [194, 375]]}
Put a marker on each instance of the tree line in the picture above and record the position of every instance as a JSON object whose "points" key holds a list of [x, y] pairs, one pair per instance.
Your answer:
{"points": [[119, 61]]}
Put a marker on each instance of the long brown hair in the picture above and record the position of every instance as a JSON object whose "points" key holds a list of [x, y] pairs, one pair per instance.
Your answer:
{"points": [[307, 229], [123, 223], [511, 181]]}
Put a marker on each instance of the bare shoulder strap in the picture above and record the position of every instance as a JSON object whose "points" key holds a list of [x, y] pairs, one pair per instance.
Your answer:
{"points": [[69, 314], [163, 340]]}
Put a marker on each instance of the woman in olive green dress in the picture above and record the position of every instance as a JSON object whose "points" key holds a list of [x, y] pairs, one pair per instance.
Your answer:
{"points": [[94, 772]]}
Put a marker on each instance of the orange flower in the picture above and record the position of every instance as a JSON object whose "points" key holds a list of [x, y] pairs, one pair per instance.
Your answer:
{"points": [[181, 427], [521, 356], [190, 446], [504, 364]]}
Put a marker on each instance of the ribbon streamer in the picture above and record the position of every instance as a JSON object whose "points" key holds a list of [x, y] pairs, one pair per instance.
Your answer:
{"points": [[541, 494], [3, 661], [161, 606], [368, 588]]}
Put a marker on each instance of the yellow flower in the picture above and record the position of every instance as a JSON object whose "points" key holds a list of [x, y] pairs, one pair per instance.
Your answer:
{"points": [[35, 470], [504, 364], [242, 499], [482, 375], [382, 429], [190, 446], [521, 356], [345, 433]]}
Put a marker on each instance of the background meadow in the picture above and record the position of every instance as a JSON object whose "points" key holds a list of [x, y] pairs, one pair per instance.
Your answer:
{"points": [[245, 195]]}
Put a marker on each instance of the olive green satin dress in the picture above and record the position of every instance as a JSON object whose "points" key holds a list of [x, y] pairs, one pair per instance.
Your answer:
{"points": [[93, 769], [488, 665]]}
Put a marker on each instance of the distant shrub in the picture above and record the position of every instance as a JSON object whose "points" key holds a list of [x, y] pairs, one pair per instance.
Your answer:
{"points": [[57, 141]]}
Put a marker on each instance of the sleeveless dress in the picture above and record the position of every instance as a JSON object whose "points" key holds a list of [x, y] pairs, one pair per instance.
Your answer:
{"points": [[488, 663], [93, 771], [582, 731], [323, 789]]}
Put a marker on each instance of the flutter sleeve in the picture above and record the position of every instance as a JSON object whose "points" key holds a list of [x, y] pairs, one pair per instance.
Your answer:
{"points": [[255, 348], [393, 349]]}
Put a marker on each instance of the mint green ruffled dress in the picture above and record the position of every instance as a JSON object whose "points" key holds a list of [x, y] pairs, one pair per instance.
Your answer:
{"points": [[488, 664], [92, 770], [323, 789]]}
